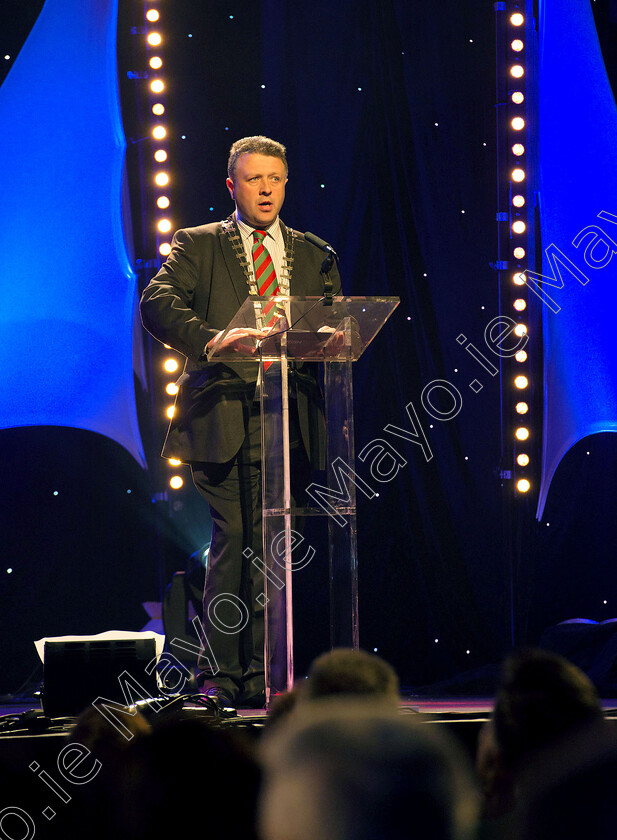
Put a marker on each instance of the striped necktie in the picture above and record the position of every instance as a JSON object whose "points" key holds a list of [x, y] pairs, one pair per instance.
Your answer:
{"points": [[265, 279], [265, 275]]}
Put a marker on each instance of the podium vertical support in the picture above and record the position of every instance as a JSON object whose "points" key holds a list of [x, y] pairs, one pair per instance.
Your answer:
{"points": [[289, 637], [342, 530], [276, 524]]}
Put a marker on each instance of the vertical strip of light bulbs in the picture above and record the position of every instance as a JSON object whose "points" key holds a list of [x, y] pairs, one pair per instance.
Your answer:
{"points": [[160, 176], [154, 43], [518, 143]]}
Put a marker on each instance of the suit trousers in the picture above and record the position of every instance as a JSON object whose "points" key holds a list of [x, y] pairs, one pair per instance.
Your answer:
{"points": [[233, 617]]}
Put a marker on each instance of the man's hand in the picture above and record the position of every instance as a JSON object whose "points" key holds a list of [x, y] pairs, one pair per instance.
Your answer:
{"points": [[241, 340], [336, 342]]}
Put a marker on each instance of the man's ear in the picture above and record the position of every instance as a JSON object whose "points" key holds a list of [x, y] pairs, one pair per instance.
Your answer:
{"points": [[230, 187]]}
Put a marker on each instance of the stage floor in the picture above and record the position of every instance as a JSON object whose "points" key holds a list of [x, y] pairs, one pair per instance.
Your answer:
{"points": [[27, 736], [433, 706]]}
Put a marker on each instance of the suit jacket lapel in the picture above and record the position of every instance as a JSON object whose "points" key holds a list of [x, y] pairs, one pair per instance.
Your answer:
{"points": [[236, 275]]}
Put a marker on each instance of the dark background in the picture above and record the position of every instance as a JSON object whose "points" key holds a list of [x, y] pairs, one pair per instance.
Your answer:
{"points": [[391, 107]]}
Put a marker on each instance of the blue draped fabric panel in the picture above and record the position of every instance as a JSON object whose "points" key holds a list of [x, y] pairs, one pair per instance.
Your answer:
{"points": [[578, 181], [66, 283]]}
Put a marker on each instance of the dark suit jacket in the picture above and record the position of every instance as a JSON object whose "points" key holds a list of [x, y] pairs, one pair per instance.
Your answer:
{"points": [[195, 295]]}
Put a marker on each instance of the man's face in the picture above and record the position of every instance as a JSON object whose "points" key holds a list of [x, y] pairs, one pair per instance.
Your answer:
{"points": [[258, 188]]}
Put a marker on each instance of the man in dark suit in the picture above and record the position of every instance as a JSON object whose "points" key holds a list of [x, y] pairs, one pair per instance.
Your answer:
{"points": [[215, 427]]}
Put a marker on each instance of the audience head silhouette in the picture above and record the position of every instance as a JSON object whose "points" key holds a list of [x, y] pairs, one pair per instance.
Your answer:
{"points": [[541, 698], [347, 671], [355, 769]]}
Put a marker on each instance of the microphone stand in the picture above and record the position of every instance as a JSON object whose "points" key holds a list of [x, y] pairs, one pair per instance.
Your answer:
{"points": [[326, 267]]}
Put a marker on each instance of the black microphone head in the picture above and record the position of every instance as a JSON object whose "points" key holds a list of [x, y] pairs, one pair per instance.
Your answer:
{"points": [[315, 240]]}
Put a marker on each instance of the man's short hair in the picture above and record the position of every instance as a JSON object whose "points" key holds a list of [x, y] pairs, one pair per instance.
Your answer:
{"points": [[257, 145], [347, 671]]}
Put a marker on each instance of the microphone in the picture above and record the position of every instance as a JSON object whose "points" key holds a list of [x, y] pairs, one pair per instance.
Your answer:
{"points": [[326, 266], [320, 243]]}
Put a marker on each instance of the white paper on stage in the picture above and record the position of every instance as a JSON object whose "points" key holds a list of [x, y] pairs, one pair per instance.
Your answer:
{"points": [[107, 636]]}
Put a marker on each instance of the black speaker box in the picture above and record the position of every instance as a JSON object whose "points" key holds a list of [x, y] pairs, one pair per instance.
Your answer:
{"points": [[77, 673]]}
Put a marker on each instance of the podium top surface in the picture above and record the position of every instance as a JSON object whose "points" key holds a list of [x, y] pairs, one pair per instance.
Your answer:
{"points": [[302, 328]]}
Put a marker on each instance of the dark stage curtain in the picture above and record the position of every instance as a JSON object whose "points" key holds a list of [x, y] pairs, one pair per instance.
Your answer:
{"points": [[388, 114], [390, 106]]}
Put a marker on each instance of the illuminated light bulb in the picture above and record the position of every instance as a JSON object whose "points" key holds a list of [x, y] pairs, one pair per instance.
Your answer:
{"points": [[171, 365], [157, 86], [172, 389], [164, 226], [518, 200], [161, 179], [518, 149], [154, 39], [517, 71], [519, 278], [517, 45], [165, 249], [152, 15], [518, 253], [522, 433], [518, 175], [522, 408], [519, 304], [174, 462], [519, 226], [516, 19], [517, 123], [170, 411], [158, 132], [521, 382], [158, 109], [176, 482], [162, 202], [520, 329], [160, 156], [518, 97], [521, 356], [156, 62], [522, 460], [522, 485]]}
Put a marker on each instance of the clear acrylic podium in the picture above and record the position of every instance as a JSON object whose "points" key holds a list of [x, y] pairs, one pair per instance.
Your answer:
{"points": [[302, 330]]}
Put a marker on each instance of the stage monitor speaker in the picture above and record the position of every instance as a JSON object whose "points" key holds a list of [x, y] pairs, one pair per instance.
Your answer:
{"points": [[77, 673]]}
